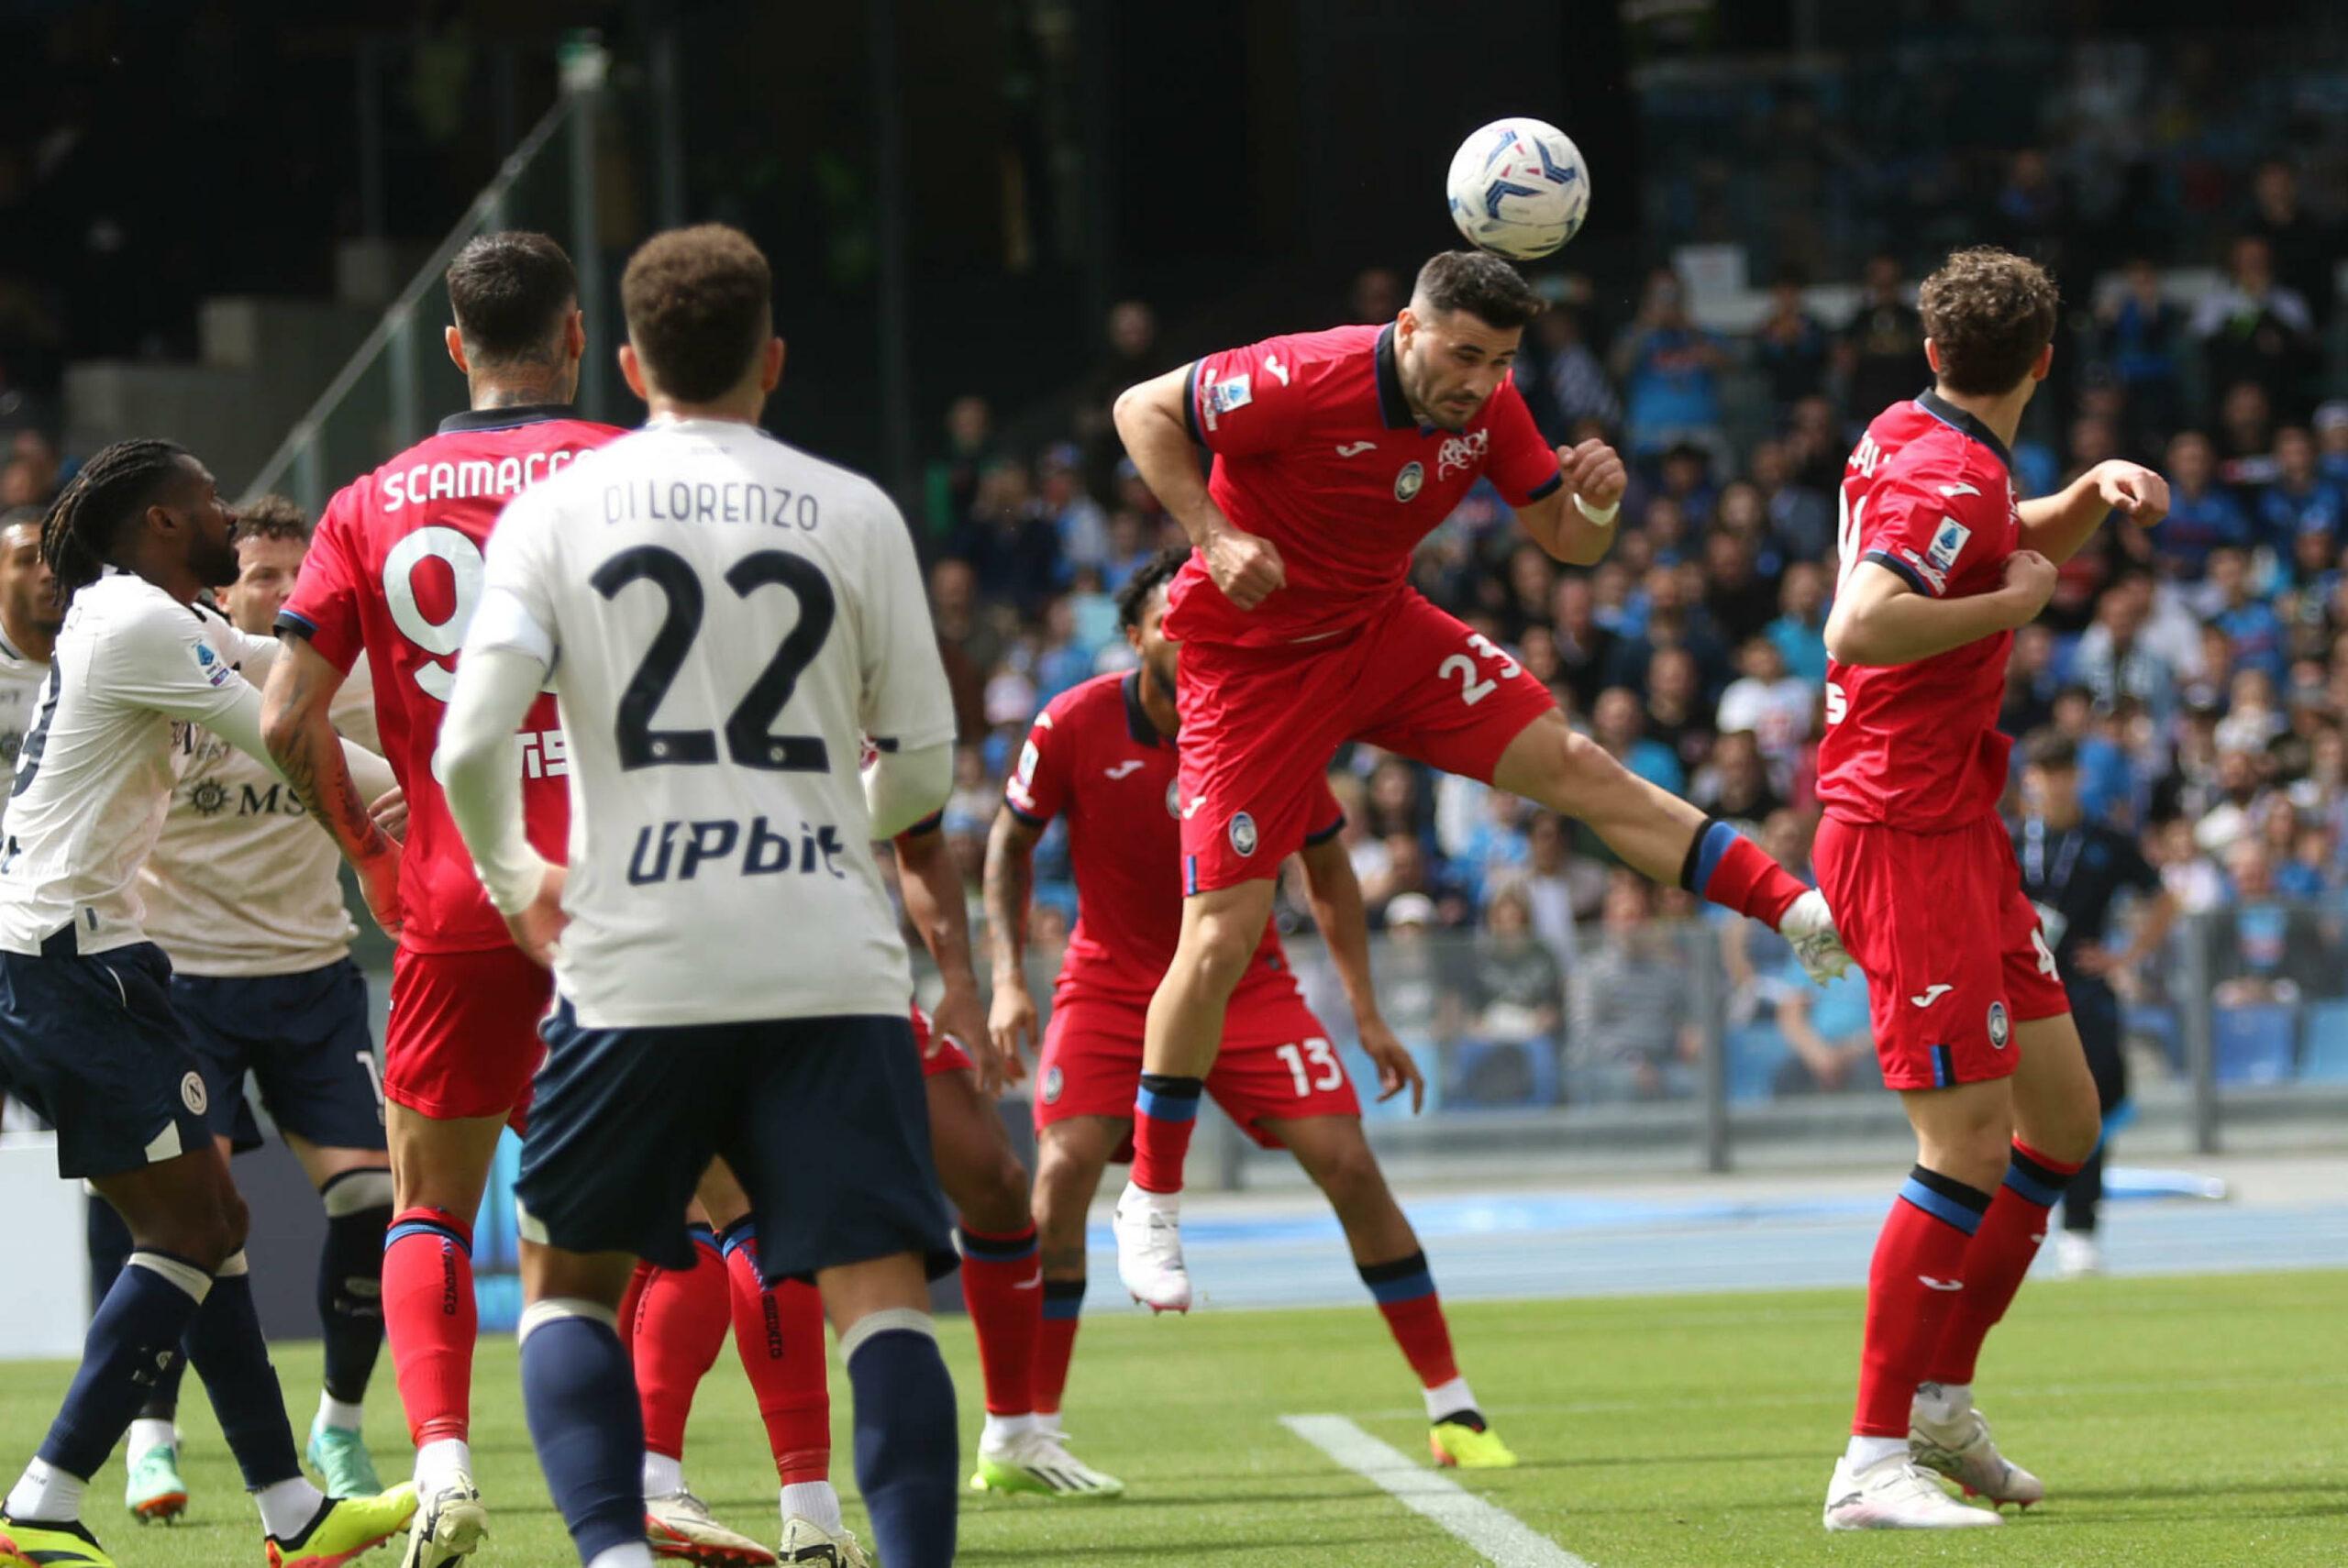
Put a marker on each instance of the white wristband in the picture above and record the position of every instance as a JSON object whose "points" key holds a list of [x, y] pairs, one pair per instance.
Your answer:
{"points": [[1602, 516]]}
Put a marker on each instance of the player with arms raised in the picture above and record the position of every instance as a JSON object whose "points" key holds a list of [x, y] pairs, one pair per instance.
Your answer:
{"points": [[725, 621], [1103, 754], [1940, 564], [1334, 454], [394, 571]]}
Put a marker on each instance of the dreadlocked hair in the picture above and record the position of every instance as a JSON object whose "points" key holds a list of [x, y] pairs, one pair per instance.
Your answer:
{"points": [[85, 519]]}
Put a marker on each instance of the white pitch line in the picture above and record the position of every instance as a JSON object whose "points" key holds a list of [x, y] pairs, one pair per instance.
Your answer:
{"points": [[1489, 1528]]}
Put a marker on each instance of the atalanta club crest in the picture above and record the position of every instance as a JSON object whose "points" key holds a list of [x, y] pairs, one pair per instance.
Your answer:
{"points": [[1407, 482], [1052, 1085], [1174, 799], [1243, 834], [2000, 1030]]}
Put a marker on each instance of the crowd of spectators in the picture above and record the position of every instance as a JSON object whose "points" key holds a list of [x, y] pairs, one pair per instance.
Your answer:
{"points": [[2201, 667]]}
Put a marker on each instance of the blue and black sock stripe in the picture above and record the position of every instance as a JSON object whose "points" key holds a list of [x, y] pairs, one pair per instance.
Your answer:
{"points": [[2035, 1181], [1168, 1096], [446, 1231], [702, 1235], [1403, 1279], [743, 1232], [1945, 1198], [1063, 1299], [997, 1249], [1704, 852]]}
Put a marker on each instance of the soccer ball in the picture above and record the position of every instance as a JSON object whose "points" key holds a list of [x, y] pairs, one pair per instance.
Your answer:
{"points": [[1518, 188]]}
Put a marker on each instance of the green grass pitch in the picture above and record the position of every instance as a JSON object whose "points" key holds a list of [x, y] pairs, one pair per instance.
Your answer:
{"points": [[2199, 1423]]}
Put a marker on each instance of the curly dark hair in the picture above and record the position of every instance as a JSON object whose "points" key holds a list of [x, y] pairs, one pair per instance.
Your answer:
{"points": [[1990, 313], [1479, 283], [699, 307], [1133, 599], [86, 520], [510, 292]]}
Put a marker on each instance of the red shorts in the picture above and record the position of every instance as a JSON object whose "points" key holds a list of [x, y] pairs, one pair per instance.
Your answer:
{"points": [[950, 1056], [1951, 949], [1260, 723], [463, 1036], [1277, 1061]]}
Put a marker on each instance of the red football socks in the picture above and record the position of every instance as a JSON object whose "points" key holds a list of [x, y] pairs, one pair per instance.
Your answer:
{"points": [[1002, 1284], [780, 1333], [678, 1330], [1056, 1342], [632, 1302], [1732, 871], [1405, 1292], [1998, 1259], [1917, 1274], [431, 1319], [1165, 1109]]}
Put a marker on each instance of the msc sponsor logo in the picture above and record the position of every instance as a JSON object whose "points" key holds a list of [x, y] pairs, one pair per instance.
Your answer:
{"points": [[676, 850]]}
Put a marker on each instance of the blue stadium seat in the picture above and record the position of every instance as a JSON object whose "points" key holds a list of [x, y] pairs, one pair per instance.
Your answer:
{"points": [[2253, 1044], [2158, 1023], [1754, 1054], [2324, 1058]]}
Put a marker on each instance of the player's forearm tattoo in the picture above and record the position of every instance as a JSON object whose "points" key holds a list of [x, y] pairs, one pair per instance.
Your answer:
{"points": [[326, 785], [1009, 874]]}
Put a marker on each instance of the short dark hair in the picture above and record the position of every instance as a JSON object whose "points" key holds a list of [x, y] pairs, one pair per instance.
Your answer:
{"points": [[272, 517], [2051, 751], [510, 292], [1990, 313], [1479, 283], [1153, 574], [699, 307]]}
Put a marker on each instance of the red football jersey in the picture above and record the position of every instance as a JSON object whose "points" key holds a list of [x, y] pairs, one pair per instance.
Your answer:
{"points": [[1928, 494], [394, 568], [1316, 450], [1094, 754]]}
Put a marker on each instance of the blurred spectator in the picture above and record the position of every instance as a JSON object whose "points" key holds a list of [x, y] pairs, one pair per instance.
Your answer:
{"points": [[1618, 725], [1772, 706], [1516, 987], [2252, 628], [2141, 336], [1415, 987], [1377, 296], [1131, 354], [2331, 440], [2304, 251], [1678, 715], [2203, 516], [1791, 344], [1669, 369], [1881, 354], [1737, 598], [1736, 784], [950, 487], [1564, 383], [1800, 630], [1010, 541], [1585, 648], [969, 645], [2266, 950], [2227, 820], [2255, 329], [2300, 500], [2115, 660], [1076, 519], [1559, 889], [1801, 521], [2030, 214], [1816, 451], [1831, 1039], [2191, 878], [2246, 435], [1634, 1034]]}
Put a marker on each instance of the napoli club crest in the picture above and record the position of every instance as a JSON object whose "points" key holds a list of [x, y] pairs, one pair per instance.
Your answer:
{"points": [[1052, 1085], [1243, 834], [193, 1095], [1407, 482], [2000, 1030]]}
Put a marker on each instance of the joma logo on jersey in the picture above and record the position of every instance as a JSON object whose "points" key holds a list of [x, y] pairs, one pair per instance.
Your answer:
{"points": [[676, 850], [1462, 452]]}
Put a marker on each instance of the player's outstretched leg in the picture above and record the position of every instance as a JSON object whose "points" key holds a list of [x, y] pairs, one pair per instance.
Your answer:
{"points": [[673, 1336], [1220, 929], [2057, 1124], [152, 1488], [1003, 1287], [357, 1202], [1667, 840], [1394, 1266], [1962, 1134]]}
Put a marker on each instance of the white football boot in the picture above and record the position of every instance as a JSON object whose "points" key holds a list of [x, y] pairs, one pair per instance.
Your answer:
{"points": [[1960, 1448], [1148, 1228], [1894, 1494], [1809, 924]]}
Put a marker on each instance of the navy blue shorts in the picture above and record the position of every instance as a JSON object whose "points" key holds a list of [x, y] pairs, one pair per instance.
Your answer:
{"points": [[824, 1120], [305, 1040], [92, 1045]]}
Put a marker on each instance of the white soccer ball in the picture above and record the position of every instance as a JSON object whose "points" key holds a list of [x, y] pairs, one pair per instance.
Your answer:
{"points": [[1519, 189]]}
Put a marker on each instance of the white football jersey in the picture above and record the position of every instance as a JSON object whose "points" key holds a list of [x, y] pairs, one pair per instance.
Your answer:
{"points": [[242, 882], [20, 679], [134, 672], [727, 618]]}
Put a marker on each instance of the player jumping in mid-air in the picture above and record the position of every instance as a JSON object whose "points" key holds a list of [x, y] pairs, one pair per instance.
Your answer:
{"points": [[1940, 564], [243, 897], [88, 1035], [725, 620], [1334, 454], [1103, 754]]}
